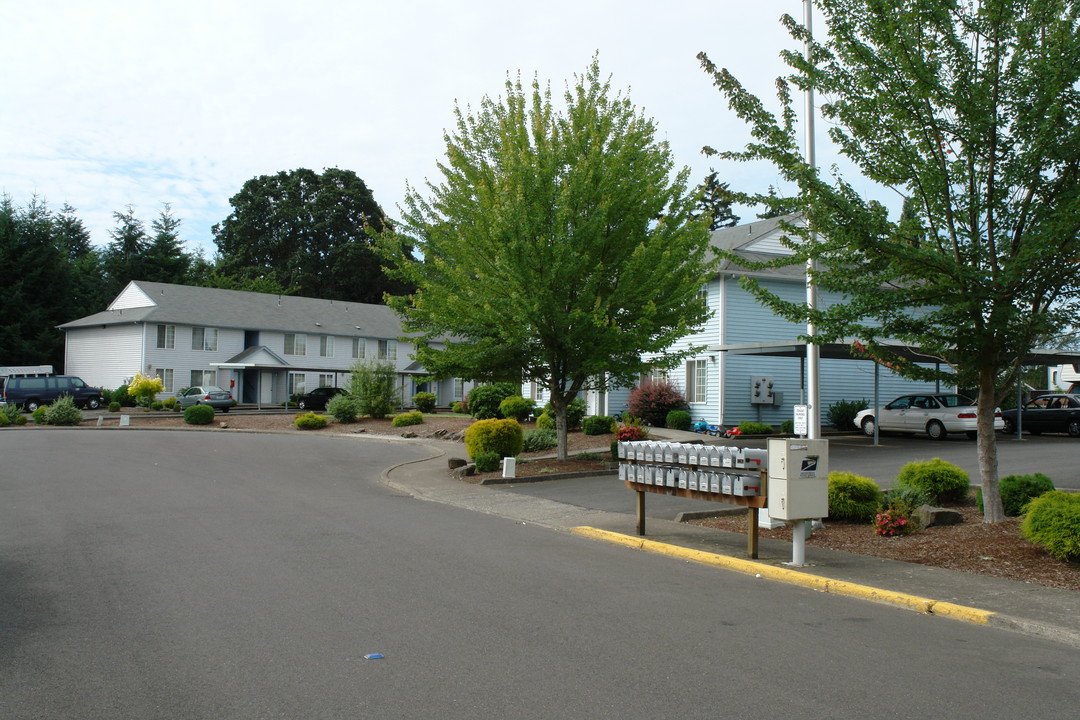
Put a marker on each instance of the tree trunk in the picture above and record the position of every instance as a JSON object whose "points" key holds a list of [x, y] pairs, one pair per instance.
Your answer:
{"points": [[559, 404], [993, 511]]}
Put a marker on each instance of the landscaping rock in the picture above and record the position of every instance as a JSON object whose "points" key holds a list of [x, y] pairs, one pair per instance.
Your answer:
{"points": [[466, 470], [408, 434], [438, 433], [456, 462], [928, 516]]}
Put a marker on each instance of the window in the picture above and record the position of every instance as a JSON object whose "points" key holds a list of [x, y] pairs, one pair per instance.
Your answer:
{"points": [[203, 377], [359, 348], [166, 337], [297, 383], [166, 376], [204, 338], [697, 381], [295, 344], [459, 388], [326, 346], [326, 381], [388, 350]]}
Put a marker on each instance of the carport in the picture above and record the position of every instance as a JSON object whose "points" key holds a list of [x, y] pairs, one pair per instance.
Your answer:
{"points": [[843, 351]]}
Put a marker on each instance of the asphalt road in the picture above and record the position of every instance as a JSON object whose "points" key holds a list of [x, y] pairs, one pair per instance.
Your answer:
{"points": [[220, 575]]}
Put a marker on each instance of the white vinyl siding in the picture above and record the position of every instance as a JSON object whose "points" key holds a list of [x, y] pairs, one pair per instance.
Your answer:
{"points": [[359, 348], [295, 344], [166, 337], [326, 346], [105, 357]]}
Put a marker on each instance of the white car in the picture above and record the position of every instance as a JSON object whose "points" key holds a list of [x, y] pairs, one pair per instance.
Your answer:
{"points": [[936, 414]]}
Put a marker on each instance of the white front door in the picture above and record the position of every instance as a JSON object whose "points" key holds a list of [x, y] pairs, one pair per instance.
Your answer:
{"points": [[266, 388]]}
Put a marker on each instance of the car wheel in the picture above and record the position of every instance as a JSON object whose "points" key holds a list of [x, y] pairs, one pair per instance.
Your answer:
{"points": [[973, 434], [1074, 427], [93, 403], [936, 430], [32, 405], [1010, 427], [302, 405], [868, 426]]}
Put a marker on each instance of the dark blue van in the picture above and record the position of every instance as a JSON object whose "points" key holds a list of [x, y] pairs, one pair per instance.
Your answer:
{"points": [[32, 392]]}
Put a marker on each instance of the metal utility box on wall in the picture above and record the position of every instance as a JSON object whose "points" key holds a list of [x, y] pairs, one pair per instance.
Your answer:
{"points": [[761, 390], [798, 478]]}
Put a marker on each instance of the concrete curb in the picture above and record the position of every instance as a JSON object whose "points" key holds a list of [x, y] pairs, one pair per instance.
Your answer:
{"points": [[923, 605], [542, 478]]}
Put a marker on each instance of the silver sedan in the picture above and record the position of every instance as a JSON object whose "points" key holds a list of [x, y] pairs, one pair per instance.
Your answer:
{"points": [[210, 395]]}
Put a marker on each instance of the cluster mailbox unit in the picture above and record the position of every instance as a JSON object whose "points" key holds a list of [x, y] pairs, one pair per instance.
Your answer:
{"points": [[791, 475]]}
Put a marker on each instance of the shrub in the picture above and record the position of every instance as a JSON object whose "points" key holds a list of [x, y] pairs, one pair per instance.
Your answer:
{"points": [[942, 480], [1052, 520], [11, 412], [20, 420], [4, 420], [653, 400], [39, 414], [483, 400], [503, 437], [1017, 490], [575, 413], [405, 419], [311, 421], [788, 427], [120, 395], [678, 420], [199, 415], [755, 428], [853, 497], [907, 499], [597, 425], [170, 403], [374, 385], [63, 412], [545, 422], [487, 462], [516, 407], [114, 406], [425, 401], [157, 405], [539, 439], [144, 388], [889, 523], [842, 413], [343, 408], [457, 407], [631, 429]]}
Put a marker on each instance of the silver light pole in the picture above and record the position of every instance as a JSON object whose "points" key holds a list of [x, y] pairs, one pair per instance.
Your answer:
{"points": [[813, 352]]}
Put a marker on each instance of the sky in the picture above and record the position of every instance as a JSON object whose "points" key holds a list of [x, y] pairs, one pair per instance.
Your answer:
{"points": [[109, 103]]}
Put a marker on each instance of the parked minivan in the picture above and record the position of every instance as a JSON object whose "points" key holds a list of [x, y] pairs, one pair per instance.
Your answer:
{"points": [[32, 392]]}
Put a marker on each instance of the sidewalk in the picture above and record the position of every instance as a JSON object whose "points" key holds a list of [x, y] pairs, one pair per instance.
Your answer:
{"points": [[1042, 612]]}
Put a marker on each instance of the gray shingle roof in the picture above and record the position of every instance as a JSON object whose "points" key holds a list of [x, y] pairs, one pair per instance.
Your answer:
{"points": [[212, 307]]}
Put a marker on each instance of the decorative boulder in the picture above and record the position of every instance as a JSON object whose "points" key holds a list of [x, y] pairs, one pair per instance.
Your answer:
{"points": [[456, 462], [466, 470], [928, 516]]}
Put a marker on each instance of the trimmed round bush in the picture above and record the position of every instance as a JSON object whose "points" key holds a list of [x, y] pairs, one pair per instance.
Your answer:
{"points": [[503, 437], [597, 425], [487, 462], [654, 399], [311, 421], [539, 439], [425, 402], [1017, 490], [483, 401], [457, 407], [199, 415], [343, 408], [755, 428], [853, 497], [1052, 520], [405, 419], [545, 421], [678, 420], [157, 405], [516, 407], [942, 480], [114, 406]]}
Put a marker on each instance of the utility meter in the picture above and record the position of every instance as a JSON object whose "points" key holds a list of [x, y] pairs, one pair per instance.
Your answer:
{"points": [[798, 478]]}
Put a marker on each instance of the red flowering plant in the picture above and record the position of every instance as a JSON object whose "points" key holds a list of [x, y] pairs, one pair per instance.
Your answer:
{"points": [[890, 523]]}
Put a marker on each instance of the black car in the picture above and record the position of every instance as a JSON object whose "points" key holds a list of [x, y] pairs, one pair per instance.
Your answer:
{"points": [[317, 398], [1047, 413], [32, 392]]}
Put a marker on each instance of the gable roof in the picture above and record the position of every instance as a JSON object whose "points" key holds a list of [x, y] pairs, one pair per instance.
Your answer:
{"points": [[165, 303], [758, 241]]}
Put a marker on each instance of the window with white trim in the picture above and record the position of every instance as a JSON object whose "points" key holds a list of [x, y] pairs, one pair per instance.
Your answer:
{"points": [[388, 350], [203, 377], [166, 375], [297, 384], [326, 346], [204, 338], [459, 388], [326, 380], [359, 348], [295, 344], [166, 337], [697, 381]]}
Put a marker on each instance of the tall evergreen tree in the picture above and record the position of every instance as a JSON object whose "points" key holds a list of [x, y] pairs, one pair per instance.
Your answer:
{"points": [[165, 259], [124, 258], [715, 203]]}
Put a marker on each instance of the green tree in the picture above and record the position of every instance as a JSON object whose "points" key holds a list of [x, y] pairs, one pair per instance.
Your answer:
{"points": [[715, 203], [124, 258], [374, 385], [557, 248], [165, 259], [86, 293], [308, 232], [970, 109]]}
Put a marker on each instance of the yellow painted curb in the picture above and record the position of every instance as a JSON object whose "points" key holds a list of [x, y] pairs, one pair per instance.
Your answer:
{"points": [[794, 577]]}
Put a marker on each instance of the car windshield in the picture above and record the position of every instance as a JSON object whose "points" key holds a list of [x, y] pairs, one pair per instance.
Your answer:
{"points": [[954, 400], [212, 389]]}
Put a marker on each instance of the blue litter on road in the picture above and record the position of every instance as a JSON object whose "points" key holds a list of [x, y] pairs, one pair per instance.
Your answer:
{"points": [[373, 656]]}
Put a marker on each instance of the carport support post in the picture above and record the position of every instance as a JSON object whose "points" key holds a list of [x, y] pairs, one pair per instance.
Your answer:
{"points": [[877, 406], [1019, 402], [641, 512]]}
